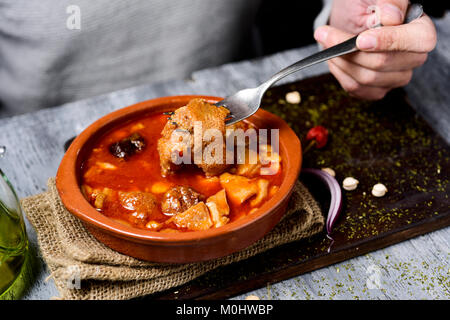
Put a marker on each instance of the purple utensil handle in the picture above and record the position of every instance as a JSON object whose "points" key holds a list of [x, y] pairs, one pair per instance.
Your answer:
{"points": [[336, 195]]}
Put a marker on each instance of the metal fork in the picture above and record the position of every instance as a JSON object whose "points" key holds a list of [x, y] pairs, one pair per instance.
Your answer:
{"points": [[246, 102]]}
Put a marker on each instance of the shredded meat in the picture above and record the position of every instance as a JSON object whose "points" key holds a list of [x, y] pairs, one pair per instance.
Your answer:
{"points": [[179, 199], [183, 120]]}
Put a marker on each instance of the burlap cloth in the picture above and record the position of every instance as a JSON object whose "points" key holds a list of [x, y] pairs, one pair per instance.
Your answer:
{"points": [[84, 268]]}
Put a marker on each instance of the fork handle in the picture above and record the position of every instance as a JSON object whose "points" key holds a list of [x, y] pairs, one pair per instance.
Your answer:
{"points": [[414, 11], [345, 47]]}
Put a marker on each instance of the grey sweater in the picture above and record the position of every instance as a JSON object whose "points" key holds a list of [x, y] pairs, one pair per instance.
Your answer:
{"points": [[52, 53], [45, 60]]}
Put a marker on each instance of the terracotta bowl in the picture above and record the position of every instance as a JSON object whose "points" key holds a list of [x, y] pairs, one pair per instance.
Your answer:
{"points": [[175, 247]]}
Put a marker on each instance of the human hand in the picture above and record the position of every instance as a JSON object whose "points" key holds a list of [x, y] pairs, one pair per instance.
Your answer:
{"points": [[387, 54]]}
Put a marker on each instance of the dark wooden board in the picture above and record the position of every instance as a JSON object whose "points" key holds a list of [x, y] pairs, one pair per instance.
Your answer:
{"points": [[384, 141]]}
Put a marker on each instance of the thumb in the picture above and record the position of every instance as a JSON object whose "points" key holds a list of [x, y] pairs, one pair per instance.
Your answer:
{"points": [[416, 36], [392, 12]]}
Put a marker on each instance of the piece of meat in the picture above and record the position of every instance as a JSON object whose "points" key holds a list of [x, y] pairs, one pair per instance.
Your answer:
{"points": [[239, 189], [240, 138], [182, 122], [270, 160], [179, 199], [195, 218], [100, 200], [263, 190], [98, 197], [140, 204], [252, 165], [248, 169], [218, 208], [127, 147]]}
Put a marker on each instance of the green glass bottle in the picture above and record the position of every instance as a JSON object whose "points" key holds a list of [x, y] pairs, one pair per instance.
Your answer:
{"points": [[14, 249]]}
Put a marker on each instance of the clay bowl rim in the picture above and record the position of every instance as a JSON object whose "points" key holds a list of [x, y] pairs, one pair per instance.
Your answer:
{"points": [[68, 187]]}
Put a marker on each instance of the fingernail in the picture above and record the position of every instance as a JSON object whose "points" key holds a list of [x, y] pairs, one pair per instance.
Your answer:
{"points": [[393, 12], [366, 41], [321, 34]]}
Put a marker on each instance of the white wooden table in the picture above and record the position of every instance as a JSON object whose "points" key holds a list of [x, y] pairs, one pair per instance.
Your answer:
{"points": [[414, 269]]}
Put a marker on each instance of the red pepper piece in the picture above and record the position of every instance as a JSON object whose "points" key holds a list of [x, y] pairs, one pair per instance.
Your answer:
{"points": [[318, 134]]}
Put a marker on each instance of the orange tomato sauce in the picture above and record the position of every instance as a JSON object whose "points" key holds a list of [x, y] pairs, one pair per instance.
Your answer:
{"points": [[141, 172]]}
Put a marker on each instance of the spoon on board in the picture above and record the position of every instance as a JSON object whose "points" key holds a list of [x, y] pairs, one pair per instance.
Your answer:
{"points": [[246, 102]]}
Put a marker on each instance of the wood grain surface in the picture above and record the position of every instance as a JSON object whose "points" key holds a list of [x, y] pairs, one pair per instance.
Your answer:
{"points": [[374, 142]]}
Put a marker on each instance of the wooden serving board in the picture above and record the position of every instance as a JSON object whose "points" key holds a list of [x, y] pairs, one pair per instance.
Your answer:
{"points": [[383, 141]]}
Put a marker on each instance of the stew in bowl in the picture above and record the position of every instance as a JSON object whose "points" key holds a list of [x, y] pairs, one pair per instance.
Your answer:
{"points": [[134, 179]]}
